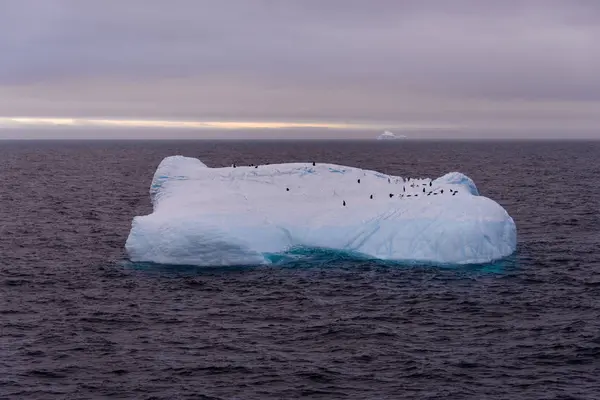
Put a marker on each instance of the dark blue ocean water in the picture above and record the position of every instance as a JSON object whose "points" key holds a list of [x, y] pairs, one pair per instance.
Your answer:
{"points": [[77, 321]]}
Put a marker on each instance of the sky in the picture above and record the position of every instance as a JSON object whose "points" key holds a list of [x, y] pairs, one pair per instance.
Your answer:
{"points": [[299, 68]]}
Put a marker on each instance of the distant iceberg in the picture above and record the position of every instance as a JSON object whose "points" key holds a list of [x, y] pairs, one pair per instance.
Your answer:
{"points": [[387, 135], [252, 215]]}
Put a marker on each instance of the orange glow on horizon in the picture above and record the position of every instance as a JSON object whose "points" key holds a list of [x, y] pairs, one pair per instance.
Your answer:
{"points": [[191, 124]]}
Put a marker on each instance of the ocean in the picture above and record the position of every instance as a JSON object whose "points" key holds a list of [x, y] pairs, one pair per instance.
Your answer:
{"points": [[78, 321]]}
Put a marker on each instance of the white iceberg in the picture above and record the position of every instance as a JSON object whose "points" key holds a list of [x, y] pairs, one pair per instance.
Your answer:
{"points": [[243, 216], [387, 135]]}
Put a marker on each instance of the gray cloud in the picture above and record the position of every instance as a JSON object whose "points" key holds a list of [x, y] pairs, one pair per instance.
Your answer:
{"points": [[340, 59]]}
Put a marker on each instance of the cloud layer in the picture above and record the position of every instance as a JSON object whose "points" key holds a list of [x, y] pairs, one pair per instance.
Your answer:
{"points": [[464, 63]]}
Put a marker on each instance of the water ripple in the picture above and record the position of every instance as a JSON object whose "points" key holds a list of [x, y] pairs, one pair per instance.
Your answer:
{"points": [[79, 322]]}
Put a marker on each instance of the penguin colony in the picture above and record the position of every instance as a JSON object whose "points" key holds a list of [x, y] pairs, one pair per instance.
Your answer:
{"points": [[413, 185]]}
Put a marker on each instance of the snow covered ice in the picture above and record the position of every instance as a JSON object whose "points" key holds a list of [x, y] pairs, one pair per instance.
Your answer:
{"points": [[245, 215]]}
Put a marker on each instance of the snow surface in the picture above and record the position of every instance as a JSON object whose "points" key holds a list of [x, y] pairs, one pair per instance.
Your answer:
{"points": [[243, 216]]}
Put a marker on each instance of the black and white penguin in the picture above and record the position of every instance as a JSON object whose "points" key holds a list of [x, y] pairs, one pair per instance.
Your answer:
{"points": [[430, 183], [371, 197], [442, 191], [287, 189], [256, 166], [389, 180], [428, 193], [344, 203], [358, 180], [404, 188], [454, 193], [391, 195], [423, 190], [314, 164]]}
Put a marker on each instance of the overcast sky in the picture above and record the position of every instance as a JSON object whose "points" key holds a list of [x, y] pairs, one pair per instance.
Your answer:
{"points": [[477, 67]]}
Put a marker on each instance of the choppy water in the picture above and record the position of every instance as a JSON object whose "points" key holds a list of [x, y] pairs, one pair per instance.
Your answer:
{"points": [[78, 321]]}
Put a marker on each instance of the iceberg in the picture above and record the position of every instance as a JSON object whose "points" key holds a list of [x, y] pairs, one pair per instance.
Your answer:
{"points": [[247, 215], [387, 135]]}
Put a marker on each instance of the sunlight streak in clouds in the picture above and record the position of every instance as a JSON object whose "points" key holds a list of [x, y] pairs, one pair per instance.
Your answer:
{"points": [[15, 122]]}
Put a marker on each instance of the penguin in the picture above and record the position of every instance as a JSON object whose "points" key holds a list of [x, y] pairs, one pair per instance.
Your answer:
{"points": [[389, 180], [344, 203], [234, 165], [408, 195], [371, 197], [454, 193], [435, 194], [428, 193], [442, 191], [256, 166], [423, 190], [287, 189], [404, 188], [313, 163], [391, 195], [359, 181], [429, 183]]}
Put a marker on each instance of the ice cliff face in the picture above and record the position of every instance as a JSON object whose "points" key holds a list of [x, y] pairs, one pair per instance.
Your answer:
{"points": [[238, 216]]}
